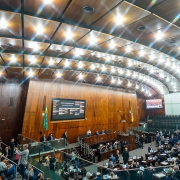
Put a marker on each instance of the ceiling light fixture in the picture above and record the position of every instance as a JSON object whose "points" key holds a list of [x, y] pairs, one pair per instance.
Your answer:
{"points": [[78, 52], [92, 67], [81, 76], [33, 60], [159, 35], [58, 75], [103, 68], [3, 23], [98, 78], [34, 46], [113, 80], [67, 63], [88, 9], [119, 81], [119, 19], [128, 49], [51, 62], [39, 29], [80, 64], [141, 53], [69, 34], [13, 58], [92, 40], [112, 44], [31, 73]]}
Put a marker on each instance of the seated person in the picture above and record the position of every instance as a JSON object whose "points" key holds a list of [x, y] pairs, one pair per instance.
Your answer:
{"points": [[177, 172], [102, 132], [7, 152], [170, 175], [29, 171], [150, 149], [112, 158], [137, 165], [89, 132], [96, 133], [110, 164]]}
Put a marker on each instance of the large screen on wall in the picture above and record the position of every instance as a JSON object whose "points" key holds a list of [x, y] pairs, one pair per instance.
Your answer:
{"points": [[67, 109], [154, 103]]}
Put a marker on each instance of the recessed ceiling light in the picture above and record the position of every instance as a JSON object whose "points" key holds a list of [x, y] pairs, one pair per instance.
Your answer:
{"points": [[159, 35], [119, 81], [129, 84], [30, 73], [152, 56], [142, 28], [67, 63], [69, 35], [98, 78], [13, 58], [107, 58], [141, 53], [33, 60], [58, 75], [128, 49], [112, 44], [34, 45], [51, 62], [103, 68], [88, 9], [119, 19], [112, 70], [39, 29], [47, 2], [137, 87], [80, 64], [3, 23], [78, 52], [92, 67], [81, 76], [113, 80], [92, 39]]}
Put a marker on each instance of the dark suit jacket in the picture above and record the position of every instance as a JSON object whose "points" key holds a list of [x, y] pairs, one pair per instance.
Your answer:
{"points": [[7, 153], [177, 175], [49, 138], [65, 136], [125, 155], [42, 139]]}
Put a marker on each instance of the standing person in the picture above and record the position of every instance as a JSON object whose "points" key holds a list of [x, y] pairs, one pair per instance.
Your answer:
{"points": [[117, 155], [52, 162], [65, 135], [141, 141], [50, 137], [43, 138], [23, 159], [12, 145], [125, 155]]}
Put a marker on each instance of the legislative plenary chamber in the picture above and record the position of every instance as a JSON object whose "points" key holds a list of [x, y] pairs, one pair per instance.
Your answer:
{"points": [[89, 89]]}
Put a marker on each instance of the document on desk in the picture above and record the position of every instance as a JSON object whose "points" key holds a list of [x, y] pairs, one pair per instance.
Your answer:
{"points": [[160, 175]]}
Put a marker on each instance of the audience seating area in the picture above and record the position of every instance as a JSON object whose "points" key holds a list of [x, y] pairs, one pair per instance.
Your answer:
{"points": [[169, 122]]}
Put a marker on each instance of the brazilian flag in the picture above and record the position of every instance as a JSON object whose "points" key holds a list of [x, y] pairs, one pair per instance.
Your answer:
{"points": [[45, 122]]}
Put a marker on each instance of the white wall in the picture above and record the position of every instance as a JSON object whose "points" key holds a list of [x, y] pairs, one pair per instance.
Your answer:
{"points": [[172, 104]]}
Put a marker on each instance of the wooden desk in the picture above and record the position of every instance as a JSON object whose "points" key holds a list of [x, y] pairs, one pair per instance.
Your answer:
{"points": [[130, 139], [100, 138], [106, 155]]}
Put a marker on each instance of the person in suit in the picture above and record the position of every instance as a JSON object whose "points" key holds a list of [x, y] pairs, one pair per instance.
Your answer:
{"points": [[96, 133], [50, 137], [65, 135], [141, 141], [117, 155], [177, 172], [12, 145], [125, 155], [112, 158], [170, 175], [7, 152], [43, 138], [150, 149]]}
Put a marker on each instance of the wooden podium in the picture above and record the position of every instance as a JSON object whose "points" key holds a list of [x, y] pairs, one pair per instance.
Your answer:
{"points": [[130, 139]]}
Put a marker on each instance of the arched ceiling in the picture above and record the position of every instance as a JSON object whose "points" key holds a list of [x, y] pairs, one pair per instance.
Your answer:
{"points": [[131, 45]]}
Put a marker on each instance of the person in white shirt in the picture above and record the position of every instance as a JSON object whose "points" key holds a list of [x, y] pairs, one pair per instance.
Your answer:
{"points": [[89, 132], [23, 159]]}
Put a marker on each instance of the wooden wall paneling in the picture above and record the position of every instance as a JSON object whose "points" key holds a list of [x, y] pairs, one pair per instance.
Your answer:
{"points": [[102, 107]]}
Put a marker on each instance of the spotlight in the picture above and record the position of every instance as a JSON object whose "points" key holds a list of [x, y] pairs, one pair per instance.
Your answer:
{"points": [[33, 60], [113, 80], [128, 49], [107, 58], [159, 35], [141, 53], [13, 58], [46, 2], [34, 46], [69, 34], [119, 81], [51, 62], [67, 63], [78, 52], [98, 78], [92, 40], [4, 23], [81, 76], [31, 73], [119, 19], [80, 64], [39, 29], [103, 68], [92, 67], [58, 75], [112, 44]]}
